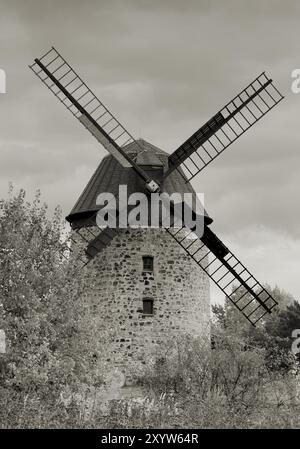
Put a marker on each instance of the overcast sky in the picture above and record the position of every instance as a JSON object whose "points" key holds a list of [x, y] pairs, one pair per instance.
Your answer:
{"points": [[164, 68]]}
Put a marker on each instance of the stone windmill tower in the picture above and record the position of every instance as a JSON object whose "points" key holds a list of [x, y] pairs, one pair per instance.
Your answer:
{"points": [[150, 284], [145, 287]]}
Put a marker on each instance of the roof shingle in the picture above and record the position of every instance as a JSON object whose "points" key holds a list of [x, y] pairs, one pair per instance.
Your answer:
{"points": [[109, 175]]}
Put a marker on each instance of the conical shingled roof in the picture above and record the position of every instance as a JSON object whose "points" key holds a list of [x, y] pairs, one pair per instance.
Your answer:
{"points": [[109, 175]]}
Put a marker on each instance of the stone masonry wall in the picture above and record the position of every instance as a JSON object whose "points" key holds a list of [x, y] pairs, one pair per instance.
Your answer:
{"points": [[117, 285]]}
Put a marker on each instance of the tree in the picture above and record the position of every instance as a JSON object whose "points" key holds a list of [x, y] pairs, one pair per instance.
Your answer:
{"points": [[50, 333], [273, 333]]}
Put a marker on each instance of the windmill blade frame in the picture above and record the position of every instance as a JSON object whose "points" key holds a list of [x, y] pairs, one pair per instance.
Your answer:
{"points": [[94, 242], [59, 77], [227, 272], [225, 127]]}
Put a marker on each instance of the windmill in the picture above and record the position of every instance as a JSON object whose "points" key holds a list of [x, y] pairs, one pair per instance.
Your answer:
{"points": [[196, 153]]}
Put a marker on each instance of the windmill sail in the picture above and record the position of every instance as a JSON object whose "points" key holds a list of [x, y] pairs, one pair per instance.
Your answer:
{"points": [[87, 241], [99, 242], [235, 118], [55, 72], [227, 272]]}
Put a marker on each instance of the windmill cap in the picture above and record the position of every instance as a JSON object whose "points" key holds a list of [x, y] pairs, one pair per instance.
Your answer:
{"points": [[109, 175]]}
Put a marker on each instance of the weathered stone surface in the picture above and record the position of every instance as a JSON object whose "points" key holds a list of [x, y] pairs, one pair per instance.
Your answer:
{"points": [[117, 285]]}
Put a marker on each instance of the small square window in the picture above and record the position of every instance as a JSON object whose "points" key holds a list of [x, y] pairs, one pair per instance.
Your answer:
{"points": [[147, 263], [148, 306]]}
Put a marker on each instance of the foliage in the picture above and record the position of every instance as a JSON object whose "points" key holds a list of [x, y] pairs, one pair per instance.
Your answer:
{"points": [[52, 370], [248, 379], [47, 325], [192, 387], [274, 333]]}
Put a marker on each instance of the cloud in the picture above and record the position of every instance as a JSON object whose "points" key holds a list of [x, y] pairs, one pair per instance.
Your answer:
{"points": [[164, 68]]}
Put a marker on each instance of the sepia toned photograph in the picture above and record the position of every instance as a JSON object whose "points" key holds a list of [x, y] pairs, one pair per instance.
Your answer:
{"points": [[149, 201]]}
